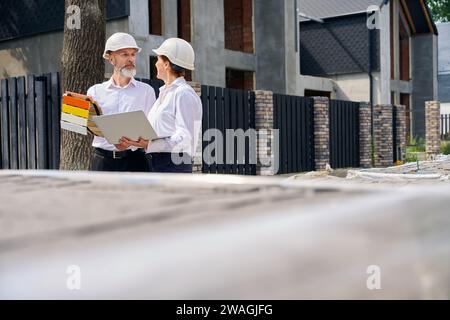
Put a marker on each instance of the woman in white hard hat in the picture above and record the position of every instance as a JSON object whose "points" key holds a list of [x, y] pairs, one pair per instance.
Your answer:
{"points": [[177, 113]]}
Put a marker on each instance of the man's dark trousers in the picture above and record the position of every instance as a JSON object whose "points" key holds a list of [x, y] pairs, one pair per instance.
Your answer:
{"points": [[126, 161]]}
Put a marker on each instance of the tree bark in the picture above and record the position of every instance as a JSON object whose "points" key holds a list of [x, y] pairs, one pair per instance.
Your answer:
{"points": [[82, 66]]}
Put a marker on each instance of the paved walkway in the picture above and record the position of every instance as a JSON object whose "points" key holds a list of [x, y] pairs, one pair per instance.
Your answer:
{"points": [[211, 236]]}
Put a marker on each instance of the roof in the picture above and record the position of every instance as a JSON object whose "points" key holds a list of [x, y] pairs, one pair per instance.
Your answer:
{"points": [[418, 12], [332, 8]]}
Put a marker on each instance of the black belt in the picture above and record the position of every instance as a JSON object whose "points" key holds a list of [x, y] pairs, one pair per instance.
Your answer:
{"points": [[118, 154]]}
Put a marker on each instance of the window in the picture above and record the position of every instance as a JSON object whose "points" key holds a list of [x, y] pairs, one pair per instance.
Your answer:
{"points": [[239, 79], [154, 17], [404, 53], [184, 19], [238, 25], [317, 93], [153, 71], [406, 101]]}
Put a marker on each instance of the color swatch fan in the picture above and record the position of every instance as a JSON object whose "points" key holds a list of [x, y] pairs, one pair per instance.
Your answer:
{"points": [[76, 114]]}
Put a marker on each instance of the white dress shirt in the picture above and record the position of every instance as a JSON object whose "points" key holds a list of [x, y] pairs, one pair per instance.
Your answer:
{"points": [[112, 99], [176, 116]]}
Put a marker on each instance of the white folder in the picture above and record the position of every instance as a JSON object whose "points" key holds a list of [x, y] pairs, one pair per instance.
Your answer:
{"points": [[132, 125]]}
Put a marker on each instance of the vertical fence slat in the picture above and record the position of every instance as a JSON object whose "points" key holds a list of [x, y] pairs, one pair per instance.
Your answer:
{"points": [[245, 113], [227, 125], [205, 127], [300, 138], [312, 151], [394, 134], [49, 120], [41, 123], [5, 124], [220, 127], [347, 134], [31, 122], [13, 129], [22, 122], [252, 125], [239, 125], [356, 136], [212, 123], [233, 118], [55, 115], [331, 131], [285, 133]]}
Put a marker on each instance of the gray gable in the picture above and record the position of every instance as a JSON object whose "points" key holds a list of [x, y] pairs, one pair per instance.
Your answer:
{"points": [[338, 46]]}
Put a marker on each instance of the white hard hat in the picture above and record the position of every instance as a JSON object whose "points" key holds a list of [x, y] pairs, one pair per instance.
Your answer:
{"points": [[178, 51], [120, 40]]}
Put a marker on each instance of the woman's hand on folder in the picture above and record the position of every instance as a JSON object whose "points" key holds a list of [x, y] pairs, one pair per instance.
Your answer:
{"points": [[141, 143]]}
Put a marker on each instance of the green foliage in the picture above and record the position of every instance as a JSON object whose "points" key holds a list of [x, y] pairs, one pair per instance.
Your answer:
{"points": [[445, 147], [440, 10], [410, 158], [416, 145]]}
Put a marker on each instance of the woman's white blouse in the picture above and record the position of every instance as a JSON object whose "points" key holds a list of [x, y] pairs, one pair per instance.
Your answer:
{"points": [[176, 116]]}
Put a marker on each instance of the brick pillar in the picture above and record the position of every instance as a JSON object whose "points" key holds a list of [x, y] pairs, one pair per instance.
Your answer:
{"points": [[321, 132], [266, 146], [197, 160], [365, 136], [383, 135], [401, 131], [432, 134]]}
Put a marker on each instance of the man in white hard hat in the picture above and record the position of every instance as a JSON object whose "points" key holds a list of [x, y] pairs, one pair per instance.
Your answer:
{"points": [[121, 93]]}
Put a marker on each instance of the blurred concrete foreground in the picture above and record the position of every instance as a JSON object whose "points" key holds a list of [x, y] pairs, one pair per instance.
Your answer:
{"points": [[77, 235]]}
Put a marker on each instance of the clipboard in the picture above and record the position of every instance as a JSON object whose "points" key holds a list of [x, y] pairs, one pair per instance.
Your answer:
{"points": [[132, 125]]}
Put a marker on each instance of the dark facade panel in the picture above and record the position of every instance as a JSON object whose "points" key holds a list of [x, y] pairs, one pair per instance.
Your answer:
{"points": [[338, 46], [19, 18], [444, 88], [419, 17]]}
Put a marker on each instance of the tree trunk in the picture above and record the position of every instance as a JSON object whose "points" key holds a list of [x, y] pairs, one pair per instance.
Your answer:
{"points": [[82, 66]]}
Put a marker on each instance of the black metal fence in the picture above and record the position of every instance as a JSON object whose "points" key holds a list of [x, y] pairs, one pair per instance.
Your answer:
{"points": [[29, 122], [344, 134], [227, 109], [294, 118], [30, 130], [445, 126], [396, 153], [30, 110]]}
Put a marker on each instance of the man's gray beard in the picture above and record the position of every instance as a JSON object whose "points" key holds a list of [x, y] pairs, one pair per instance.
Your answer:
{"points": [[128, 73]]}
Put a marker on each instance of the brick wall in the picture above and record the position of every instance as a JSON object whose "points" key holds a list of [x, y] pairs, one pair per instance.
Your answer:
{"points": [[197, 159], [238, 25], [365, 135], [267, 145], [432, 128], [383, 152], [401, 131], [321, 132]]}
